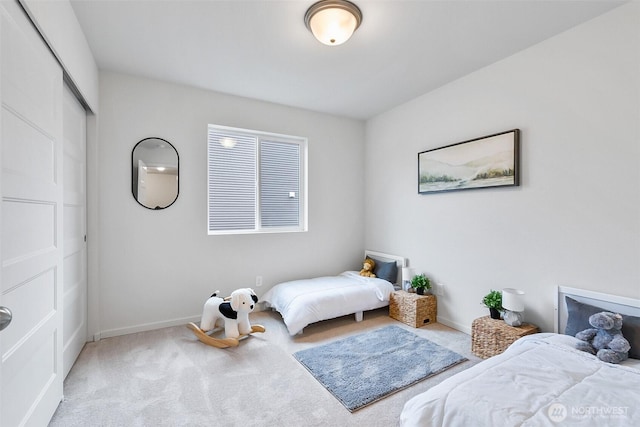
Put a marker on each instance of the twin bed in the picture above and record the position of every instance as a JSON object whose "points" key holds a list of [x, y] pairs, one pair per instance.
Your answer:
{"points": [[541, 379], [302, 302]]}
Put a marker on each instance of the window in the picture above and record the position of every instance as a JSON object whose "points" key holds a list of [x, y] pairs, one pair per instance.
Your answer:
{"points": [[257, 182]]}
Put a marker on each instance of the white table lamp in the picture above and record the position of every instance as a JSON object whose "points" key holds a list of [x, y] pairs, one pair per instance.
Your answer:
{"points": [[407, 275], [513, 304]]}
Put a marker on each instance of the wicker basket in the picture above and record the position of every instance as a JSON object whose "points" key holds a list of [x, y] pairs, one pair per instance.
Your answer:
{"points": [[492, 336], [413, 309]]}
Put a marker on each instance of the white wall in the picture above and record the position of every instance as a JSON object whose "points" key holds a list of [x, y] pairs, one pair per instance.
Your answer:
{"points": [[60, 28], [575, 219], [157, 268]]}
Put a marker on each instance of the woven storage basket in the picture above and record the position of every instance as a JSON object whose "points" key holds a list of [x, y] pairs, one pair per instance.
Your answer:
{"points": [[492, 336], [413, 309]]}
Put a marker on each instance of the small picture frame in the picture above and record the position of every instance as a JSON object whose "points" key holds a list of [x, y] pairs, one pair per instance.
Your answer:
{"points": [[489, 161]]}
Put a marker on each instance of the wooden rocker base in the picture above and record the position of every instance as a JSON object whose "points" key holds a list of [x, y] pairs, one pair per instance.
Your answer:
{"points": [[220, 342]]}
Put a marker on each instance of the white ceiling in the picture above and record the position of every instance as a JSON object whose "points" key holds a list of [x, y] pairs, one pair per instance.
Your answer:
{"points": [[261, 49]]}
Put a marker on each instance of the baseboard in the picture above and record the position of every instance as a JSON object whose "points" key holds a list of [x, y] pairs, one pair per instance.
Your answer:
{"points": [[457, 326], [259, 307], [159, 325], [148, 327]]}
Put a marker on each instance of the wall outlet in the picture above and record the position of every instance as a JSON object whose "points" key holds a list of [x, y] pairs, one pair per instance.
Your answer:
{"points": [[439, 289], [258, 281]]}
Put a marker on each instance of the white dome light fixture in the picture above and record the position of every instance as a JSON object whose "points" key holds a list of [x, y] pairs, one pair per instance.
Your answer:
{"points": [[333, 22]]}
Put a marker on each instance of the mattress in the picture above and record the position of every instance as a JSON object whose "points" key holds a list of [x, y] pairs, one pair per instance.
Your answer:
{"points": [[302, 302], [540, 380]]}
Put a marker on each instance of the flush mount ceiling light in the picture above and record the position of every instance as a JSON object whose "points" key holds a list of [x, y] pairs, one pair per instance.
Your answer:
{"points": [[333, 22]]}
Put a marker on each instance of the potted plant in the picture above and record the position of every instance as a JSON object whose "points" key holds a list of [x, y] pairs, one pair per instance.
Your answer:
{"points": [[493, 300], [420, 282]]}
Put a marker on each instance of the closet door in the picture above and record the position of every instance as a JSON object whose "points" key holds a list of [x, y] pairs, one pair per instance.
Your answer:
{"points": [[31, 217], [75, 225]]}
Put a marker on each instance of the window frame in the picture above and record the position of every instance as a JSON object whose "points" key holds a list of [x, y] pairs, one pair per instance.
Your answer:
{"points": [[302, 143]]}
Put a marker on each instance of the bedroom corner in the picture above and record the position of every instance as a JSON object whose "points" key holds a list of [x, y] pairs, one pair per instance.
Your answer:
{"points": [[158, 267]]}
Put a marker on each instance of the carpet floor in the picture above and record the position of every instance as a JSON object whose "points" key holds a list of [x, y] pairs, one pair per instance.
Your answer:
{"points": [[167, 377]]}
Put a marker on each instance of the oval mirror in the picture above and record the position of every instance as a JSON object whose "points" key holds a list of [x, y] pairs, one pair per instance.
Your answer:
{"points": [[155, 169]]}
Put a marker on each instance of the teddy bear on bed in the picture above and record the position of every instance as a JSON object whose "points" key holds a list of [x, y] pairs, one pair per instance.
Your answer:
{"points": [[605, 339], [367, 268]]}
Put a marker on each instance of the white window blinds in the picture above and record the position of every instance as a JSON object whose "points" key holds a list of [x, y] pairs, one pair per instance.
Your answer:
{"points": [[232, 186], [279, 184], [257, 182]]}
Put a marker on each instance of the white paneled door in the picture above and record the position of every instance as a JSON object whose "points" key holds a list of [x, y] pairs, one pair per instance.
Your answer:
{"points": [[31, 216], [74, 330]]}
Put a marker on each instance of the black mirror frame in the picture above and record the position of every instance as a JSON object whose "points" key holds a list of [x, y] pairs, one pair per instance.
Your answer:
{"points": [[134, 180]]}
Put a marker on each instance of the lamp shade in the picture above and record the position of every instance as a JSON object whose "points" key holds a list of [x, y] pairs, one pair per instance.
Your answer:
{"points": [[513, 299], [407, 274], [333, 22]]}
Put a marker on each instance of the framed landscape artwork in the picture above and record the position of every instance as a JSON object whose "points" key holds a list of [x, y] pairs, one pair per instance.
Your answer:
{"points": [[489, 161]]}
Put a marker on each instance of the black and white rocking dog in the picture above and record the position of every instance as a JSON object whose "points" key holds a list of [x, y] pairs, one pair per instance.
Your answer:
{"points": [[234, 313]]}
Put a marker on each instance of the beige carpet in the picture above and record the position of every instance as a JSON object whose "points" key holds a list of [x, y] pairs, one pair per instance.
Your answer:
{"points": [[168, 378]]}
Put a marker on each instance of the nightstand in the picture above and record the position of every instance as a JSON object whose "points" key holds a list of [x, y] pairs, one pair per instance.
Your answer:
{"points": [[492, 336], [413, 309]]}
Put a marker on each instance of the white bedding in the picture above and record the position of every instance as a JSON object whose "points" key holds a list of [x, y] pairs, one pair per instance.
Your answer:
{"points": [[531, 384], [302, 302]]}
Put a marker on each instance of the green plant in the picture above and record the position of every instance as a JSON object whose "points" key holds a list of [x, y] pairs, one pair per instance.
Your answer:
{"points": [[493, 300], [420, 281]]}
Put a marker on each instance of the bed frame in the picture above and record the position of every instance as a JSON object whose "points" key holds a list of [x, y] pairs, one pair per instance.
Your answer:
{"points": [[382, 257], [617, 304]]}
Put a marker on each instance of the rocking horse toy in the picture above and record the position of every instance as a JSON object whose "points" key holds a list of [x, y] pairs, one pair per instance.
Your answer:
{"points": [[233, 311]]}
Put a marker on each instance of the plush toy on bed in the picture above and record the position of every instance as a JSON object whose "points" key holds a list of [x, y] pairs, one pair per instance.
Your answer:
{"points": [[605, 339], [367, 268]]}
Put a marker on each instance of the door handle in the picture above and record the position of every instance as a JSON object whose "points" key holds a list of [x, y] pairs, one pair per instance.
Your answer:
{"points": [[5, 317]]}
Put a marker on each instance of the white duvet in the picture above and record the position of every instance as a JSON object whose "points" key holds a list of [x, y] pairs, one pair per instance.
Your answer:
{"points": [[302, 302], [541, 380]]}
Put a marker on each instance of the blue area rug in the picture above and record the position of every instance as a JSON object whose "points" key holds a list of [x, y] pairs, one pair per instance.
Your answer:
{"points": [[364, 368]]}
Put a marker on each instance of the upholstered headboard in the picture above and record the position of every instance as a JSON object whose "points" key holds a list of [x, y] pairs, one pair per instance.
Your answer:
{"points": [[614, 303], [400, 261]]}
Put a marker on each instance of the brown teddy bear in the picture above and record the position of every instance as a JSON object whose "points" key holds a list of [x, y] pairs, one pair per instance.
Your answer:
{"points": [[367, 268]]}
